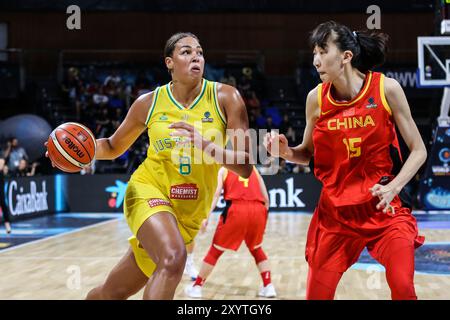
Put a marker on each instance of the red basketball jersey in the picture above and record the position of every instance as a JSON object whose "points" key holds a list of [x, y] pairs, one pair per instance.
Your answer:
{"points": [[238, 188], [353, 142]]}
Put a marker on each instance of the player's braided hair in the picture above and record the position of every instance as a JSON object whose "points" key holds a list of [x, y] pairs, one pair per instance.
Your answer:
{"points": [[369, 47]]}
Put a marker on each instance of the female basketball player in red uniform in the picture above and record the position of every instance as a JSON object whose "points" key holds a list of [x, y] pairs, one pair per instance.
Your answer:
{"points": [[167, 198], [350, 130], [244, 219]]}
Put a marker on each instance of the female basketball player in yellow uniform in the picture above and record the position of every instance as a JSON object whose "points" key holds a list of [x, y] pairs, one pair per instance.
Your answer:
{"points": [[170, 194]]}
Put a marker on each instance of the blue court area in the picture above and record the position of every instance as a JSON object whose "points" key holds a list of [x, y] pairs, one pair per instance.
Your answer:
{"points": [[51, 225]]}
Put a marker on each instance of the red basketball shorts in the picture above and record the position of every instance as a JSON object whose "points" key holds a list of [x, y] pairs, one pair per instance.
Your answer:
{"points": [[337, 235], [243, 221]]}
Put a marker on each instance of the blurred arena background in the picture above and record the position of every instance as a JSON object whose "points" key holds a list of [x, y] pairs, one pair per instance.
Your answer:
{"points": [[68, 230]]}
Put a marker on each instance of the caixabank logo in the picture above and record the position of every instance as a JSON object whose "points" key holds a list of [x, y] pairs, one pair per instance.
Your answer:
{"points": [[116, 194]]}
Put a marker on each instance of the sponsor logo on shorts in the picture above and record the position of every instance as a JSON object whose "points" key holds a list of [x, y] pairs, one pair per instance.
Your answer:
{"points": [[155, 202], [186, 191]]}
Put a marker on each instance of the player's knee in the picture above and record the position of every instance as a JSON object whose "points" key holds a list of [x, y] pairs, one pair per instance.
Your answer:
{"points": [[259, 255], [109, 292], [173, 261]]}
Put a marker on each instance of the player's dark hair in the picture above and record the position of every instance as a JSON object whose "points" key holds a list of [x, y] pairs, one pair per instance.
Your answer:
{"points": [[171, 43], [369, 47]]}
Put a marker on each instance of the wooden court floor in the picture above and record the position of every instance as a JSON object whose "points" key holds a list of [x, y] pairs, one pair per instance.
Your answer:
{"points": [[68, 266]]}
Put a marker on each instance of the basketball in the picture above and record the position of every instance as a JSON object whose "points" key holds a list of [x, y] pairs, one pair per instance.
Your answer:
{"points": [[71, 146]]}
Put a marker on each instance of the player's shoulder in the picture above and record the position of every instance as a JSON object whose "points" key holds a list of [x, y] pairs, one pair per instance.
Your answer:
{"points": [[391, 84], [313, 95], [142, 104], [146, 97], [228, 96], [226, 89]]}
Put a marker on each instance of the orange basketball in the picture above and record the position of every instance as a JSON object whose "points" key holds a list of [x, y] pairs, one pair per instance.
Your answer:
{"points": [[71, 146]]}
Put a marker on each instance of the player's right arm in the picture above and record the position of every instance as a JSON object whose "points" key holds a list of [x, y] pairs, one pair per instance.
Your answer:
{"points": [[129, 130], [277, 144]]}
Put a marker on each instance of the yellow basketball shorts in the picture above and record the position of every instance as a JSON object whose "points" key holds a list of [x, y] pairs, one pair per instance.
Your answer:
{"points": [[142, 200]]}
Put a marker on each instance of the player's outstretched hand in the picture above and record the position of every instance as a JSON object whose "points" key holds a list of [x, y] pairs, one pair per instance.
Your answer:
{"points": [[46, 154], [386, 195], [277, 144], [190, 134]]}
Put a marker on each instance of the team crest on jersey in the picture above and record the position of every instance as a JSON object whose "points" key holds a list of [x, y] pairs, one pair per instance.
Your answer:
{"points": [[155, 202], [164, 117], [207, 118], [371, 104], [185, 191]]}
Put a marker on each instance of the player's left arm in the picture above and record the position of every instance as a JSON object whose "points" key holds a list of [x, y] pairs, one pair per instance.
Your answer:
{"points": [[403, 119], [262, 187]]}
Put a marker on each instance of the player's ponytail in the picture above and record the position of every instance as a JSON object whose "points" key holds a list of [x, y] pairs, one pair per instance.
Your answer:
{"points": [[373, 49], [369, 48]]}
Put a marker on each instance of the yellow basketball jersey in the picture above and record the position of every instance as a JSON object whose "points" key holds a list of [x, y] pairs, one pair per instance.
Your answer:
{"points": [[186, 178]]}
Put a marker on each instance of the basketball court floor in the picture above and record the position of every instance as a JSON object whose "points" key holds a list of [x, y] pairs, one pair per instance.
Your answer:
{"points": [[63, 256]]}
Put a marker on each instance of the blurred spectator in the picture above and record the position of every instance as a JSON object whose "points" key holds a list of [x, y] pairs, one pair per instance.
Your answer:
{"points": [[284, 168], [100, 98], [291, 135], [3, 206], [103, 123], [14, 153], [251, 100], [270, 168], [72, 86], [301, 169], [285, 124], [24, 170], [245, 82], [229, 79], [113, 79]]}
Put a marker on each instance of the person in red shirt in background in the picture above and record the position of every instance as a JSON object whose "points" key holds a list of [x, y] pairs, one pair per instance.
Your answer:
{"points": [[243, 219]]}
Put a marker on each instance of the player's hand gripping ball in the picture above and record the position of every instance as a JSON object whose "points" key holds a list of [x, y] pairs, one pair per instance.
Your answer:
{"points": [[71, 147]]}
